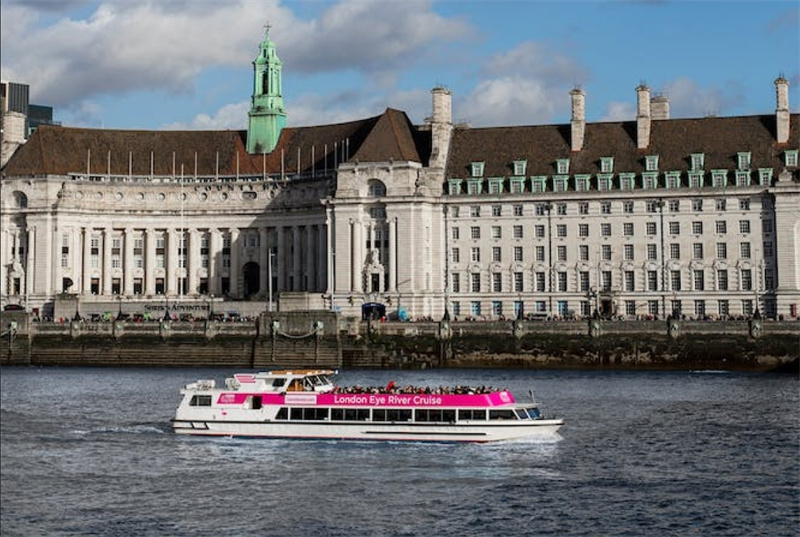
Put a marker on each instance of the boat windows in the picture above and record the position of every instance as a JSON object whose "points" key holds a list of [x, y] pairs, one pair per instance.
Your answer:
{"points": [[277, 383], [283, 414], [256, 402], [502, 415], [200, 400], [471, 414], [350, 414], [381, 414], [309, 414], [429, 414]]}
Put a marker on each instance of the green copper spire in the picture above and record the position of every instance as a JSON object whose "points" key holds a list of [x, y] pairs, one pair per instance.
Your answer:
{"points": [[267, 114]]}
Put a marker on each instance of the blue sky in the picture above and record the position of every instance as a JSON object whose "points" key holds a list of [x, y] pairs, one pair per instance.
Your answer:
{"points": [[186, 64]]}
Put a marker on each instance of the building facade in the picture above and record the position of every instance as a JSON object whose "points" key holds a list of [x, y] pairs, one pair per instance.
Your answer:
{"points": [[634, 218]]}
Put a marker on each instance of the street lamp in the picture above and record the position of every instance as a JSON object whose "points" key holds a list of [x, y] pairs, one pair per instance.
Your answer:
{"points": [[119, 312], [166, 309]]}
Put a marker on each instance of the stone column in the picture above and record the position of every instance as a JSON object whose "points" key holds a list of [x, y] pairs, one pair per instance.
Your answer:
{"points": [[171, 261], [150, 261], [234, 268], [108, 234], [310, 266], [86, 288], [6, 242], [391, 258], [263, 260], [296, 250], [280, 259], [322, 258], [214, 252], [193, 262], [356, 282], [29, 263], [128, 265]]}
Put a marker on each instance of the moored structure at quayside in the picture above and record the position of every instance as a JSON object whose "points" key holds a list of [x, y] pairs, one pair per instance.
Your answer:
{"points": [[632, 218]]}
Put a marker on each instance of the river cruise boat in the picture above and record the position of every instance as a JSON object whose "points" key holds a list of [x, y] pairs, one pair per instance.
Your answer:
{"points": [[306, 404]]}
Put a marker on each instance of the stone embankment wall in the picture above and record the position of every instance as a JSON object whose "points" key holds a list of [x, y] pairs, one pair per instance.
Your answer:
{"points": [[324, 339]]}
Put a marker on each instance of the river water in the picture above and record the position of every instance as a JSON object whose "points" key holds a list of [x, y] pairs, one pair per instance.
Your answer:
{"points": [[90, 452]]}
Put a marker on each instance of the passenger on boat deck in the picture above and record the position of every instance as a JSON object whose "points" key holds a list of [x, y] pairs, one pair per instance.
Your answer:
{"points": [[424, 390]]}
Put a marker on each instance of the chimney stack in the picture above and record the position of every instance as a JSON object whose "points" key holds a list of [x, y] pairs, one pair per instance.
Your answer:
{"points": [[578, 118], [659, 105], [782, 110], [643, 117], [441, 126]]}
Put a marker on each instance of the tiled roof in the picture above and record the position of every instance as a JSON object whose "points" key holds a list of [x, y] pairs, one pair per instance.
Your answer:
{"points": [[719, 138], [62, 150]]}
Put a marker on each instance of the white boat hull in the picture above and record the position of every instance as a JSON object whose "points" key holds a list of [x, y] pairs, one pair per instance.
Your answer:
{"points": [[478, 432]]}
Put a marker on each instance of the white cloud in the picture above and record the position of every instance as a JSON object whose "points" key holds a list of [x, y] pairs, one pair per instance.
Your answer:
{"points": [[616, 111], [229, 117], [512, 101]]}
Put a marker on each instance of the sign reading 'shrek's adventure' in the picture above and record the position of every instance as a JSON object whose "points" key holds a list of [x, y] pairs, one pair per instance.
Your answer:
{"points": [[373, 399]]}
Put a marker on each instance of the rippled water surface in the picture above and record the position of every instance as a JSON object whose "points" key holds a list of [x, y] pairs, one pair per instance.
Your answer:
{"points": [[90, 452]]}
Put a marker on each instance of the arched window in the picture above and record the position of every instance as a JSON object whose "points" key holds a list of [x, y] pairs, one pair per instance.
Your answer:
{"points": [[21, 200], [376, 188]]}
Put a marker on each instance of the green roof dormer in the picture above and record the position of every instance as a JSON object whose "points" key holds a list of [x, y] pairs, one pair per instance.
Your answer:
{"points": [[267, 114]]}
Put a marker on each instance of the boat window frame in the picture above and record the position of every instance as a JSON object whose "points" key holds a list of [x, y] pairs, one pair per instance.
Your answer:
{"points": [[200, 400]]}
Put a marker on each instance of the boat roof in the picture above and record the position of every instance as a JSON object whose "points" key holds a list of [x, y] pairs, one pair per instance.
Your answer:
{"points": [[288, 373]]}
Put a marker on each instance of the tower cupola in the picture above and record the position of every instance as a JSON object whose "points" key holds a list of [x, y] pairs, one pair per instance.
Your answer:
{"points": [[267, 114]]}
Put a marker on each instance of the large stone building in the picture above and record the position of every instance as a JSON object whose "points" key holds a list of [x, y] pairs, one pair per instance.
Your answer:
{"points": [[634, 218]]}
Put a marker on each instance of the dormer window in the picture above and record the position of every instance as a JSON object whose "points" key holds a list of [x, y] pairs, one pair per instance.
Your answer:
{"points": [[607, 165], [765, 176], [791, 158], [651, 163], [719, 178], [562, 166], [520, 167], [454, 186], [627, 181], [743, 158], [477, 169], [697, 161], [673, 179]]}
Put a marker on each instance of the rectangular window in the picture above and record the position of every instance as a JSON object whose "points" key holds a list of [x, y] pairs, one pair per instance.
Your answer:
{"points": [[674, 206], [697, 228], [496, 254], [605, 229], [744, 226], [722, 250], [562, 281], [561, 209], [652, 251], [674, 228], [747, 280], [475, 232], [627, 207], [627, 229], [561, 230], [497, 210], [605, 251], [652, 280], [475, 254], [744, 204], [675, 280], [674, 250], [722, 280], [518, 210], [583, 281], [628, 252], [697, 250], [539, 231], [518, 254], [540, 281], [605, 280], [518, 282], [455, 278], [744, 250], [518, 234], [475, 211], [456, 233], [605, 207], [723, 308], [497, 232], [697, 206], [497, 282], [497, 308], [475, 282], [540, 253], [455, 255], [561, 252], [721, 205], [583, 252], [583, 208], [699, 280], [583, 230], [475, 308], [630, 281], [721, 227], [650, 228]]}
